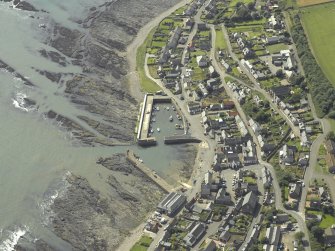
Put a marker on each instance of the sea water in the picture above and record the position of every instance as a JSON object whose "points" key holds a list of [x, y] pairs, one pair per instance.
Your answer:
{"points": [[36, 155]]}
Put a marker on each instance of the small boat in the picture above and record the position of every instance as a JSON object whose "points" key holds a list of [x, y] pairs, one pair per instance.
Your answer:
{"points": [[140, 160], [179, 117], [179, 127], [173, 108], [158, 130], [168, 108], [157, 108], [153, 120], [152, 131], [171, 118]]}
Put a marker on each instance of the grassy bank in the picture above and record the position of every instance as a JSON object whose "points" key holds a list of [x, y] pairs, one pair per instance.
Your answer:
{"points": [[318, 22], [147, 85]]}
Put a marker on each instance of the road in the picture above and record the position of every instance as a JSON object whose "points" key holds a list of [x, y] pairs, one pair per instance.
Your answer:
{"points": [[295, 129], [277, 190]]}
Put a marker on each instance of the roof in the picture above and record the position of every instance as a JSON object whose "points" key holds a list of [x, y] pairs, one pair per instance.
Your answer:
{"points": [[250, 199], [281, 91], [196, 232], [211, 246]]}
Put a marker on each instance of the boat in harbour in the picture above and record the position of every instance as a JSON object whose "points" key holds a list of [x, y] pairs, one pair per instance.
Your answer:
{"points": [[171, 118], [158, 129]]}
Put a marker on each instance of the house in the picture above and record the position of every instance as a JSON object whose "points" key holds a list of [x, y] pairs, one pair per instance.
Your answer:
{"points": [[287, 154], [329, 236], [211, 71], [212, 82], [173, 42], [272, 40], [282, 218], [203, 90], [202, 61], [272, 236], [228, 104], [165, 55], [169, 84], [290, 63], [189, 24], [225, 236], [210, 246], [226, 65], [280, 91], [322, 192], [277, 59], [295, 190], [249, 203], [202, 27], [195, 234], [206, 185], [171, 203], [222, 197], [193, 107], [191, 10]]}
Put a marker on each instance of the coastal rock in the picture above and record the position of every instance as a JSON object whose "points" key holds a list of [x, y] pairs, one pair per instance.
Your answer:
{"points": [[89, 220], [100, 51], [23, 5], [54, 57], [38, 245], [52, 76]]}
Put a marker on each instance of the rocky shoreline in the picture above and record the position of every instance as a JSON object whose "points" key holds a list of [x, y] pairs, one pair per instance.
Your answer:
{"points": [[84, 217], [108, 219]]}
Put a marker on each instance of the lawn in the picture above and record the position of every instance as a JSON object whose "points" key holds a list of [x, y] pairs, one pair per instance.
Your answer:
{"points": [[304, 3], [321, 34], [142, 244], [276, 48], [147, 84], [327, 221], [220, 42]]}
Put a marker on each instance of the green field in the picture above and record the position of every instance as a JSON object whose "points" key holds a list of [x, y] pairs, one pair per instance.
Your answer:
{"points": [[142, 244], [276, 48], [220, 42], [318, 22]]}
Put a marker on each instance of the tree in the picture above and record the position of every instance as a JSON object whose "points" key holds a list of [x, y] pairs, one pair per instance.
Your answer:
{"points": [[317, 232], [279, 73], [299, 236], [311, 223], [251, 5], [330, 136], [332, 115]]}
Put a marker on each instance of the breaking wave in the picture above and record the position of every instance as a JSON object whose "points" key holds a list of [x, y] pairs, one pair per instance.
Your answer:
{"points": [[56, 190], [12, 238], [21, 102]]}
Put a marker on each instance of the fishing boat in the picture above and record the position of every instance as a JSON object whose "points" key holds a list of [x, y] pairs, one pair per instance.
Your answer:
{"points": [[179, 126], [158, 130], [171, 118]]}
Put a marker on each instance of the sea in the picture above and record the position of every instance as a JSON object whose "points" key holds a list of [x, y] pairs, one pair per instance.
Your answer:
{"points": [[37, 154]]}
